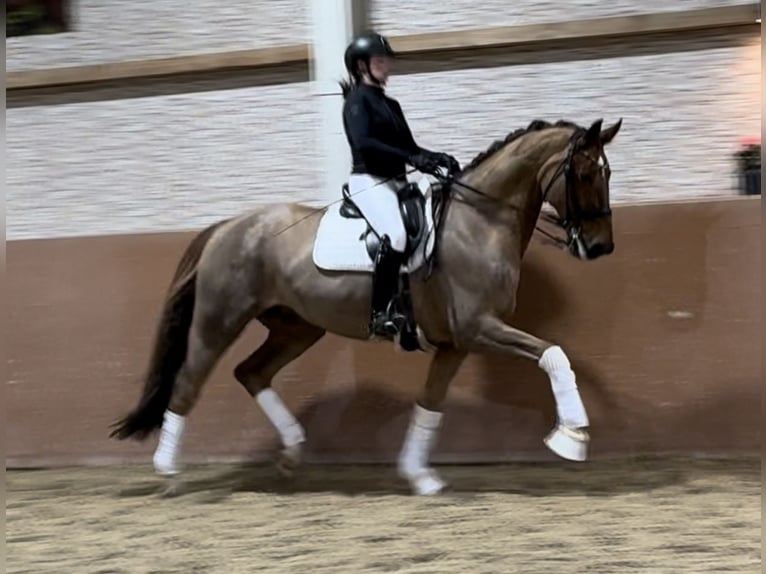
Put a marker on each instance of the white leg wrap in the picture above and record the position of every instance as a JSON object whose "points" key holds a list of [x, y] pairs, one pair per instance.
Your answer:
{"points": [[413, 459], [288, 427], [169, 446], [571, 411]]}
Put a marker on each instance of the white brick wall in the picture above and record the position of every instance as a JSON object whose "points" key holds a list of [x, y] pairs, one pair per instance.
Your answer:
{"points": [[178, 162], [127, 30], [115, 30], [157, 163], [407, 17], [683, 113]]}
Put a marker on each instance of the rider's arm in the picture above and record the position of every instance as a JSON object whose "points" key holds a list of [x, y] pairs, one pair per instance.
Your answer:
{"points": [[412, 146], [358, 124], [415, 149]]}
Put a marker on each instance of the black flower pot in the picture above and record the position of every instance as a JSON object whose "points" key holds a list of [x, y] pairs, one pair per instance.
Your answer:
{"points": [[750, 182]]}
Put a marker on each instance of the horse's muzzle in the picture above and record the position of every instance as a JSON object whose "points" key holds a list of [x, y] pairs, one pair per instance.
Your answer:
{"points": [[599, 249]]}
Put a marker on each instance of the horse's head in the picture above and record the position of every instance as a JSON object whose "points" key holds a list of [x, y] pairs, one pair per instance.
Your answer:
{"points": [[575, 183]]}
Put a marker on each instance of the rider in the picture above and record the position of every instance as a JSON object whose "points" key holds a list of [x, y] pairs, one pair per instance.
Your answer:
{"points": [[381, 144]]}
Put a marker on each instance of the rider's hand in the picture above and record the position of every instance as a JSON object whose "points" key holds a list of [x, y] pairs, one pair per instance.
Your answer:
{"points": [[425, 163], [449, 162]]}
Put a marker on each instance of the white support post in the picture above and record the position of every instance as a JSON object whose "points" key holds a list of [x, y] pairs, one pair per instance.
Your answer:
{"points": [[334, 23]]}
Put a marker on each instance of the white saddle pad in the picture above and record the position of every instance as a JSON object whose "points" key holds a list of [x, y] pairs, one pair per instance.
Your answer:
{"points": [[339, 245]]}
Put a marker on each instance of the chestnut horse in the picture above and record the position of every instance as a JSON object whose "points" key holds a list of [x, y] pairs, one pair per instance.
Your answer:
{"points": [[264, 265]]}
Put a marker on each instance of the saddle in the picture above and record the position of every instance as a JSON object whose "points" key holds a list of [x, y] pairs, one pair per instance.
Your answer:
{"points": [[345, 241], [412, 207]]}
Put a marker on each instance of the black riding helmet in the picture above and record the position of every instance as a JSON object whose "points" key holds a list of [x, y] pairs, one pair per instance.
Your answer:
{"points": [[365, 46]]}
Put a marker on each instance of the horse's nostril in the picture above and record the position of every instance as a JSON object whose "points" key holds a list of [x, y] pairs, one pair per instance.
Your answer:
{"points": [[599, 249]]}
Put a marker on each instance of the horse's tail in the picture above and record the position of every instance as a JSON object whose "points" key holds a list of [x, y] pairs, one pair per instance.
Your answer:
{"points": [[170, 345]]}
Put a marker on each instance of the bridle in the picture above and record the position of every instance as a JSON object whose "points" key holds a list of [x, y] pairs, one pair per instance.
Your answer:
{"points": [[575, 216]]}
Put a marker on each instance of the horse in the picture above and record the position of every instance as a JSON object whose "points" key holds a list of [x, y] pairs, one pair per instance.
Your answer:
{"points": [[271, 264]]}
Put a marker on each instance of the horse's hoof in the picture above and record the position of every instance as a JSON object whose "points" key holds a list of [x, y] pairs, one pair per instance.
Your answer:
{"points": [[429, 486], [165, 464], [426, 483], [174, 487], [568, 443], [288, 460]]}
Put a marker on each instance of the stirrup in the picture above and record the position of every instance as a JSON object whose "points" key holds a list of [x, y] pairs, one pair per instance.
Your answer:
{"points": [[389, 321], [383, 323]]}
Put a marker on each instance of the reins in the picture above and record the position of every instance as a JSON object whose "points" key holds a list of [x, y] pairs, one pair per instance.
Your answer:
{"points": [[572, 224], [575, 216]]}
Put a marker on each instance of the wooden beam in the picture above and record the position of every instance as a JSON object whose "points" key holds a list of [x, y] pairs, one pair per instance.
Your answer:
{"points": [[245, 59], [519, 36], [743, 14]]}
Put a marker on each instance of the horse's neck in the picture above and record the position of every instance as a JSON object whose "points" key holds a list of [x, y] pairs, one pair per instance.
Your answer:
{"points": [[511, 178], [511, 175]]}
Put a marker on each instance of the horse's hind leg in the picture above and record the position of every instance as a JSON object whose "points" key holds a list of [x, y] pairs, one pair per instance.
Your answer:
{"points": [[212, 331], [289, 337]]}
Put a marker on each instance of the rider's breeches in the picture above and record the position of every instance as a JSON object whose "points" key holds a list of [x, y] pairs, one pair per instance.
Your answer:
{"points": [[377, 200]]}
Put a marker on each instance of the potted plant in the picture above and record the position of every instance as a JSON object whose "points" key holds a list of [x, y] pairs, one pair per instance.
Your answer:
{"points": [[748, 159]]}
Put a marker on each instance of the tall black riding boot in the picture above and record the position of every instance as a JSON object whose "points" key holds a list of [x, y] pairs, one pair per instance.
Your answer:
{"points": [[386, 319]]}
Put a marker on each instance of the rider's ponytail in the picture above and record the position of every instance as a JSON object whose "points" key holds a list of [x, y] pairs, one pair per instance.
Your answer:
{"points": [[345, 87], [349, 84]]}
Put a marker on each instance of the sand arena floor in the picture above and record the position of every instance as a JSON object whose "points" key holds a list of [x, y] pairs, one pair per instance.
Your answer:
{"points": [[673, 516]]}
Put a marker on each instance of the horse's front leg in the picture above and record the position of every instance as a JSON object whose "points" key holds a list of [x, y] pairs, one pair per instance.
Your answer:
{"points": [[569, 439], [423, 429]]}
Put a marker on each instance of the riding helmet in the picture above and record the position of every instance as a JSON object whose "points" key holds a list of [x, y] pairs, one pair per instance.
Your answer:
{"points": [[365, 46]]}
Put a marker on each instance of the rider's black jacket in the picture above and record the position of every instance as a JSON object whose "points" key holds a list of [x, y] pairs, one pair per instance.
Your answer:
{"points": [[380, 139]]}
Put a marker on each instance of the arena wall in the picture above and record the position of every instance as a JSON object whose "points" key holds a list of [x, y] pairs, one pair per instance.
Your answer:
{"points": [[114, 31], [664, 336], [119, 30], [148, 163], [108, 179], [402, 17]]}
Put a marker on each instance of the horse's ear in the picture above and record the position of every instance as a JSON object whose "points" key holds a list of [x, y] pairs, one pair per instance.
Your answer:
{"points": [[608, 134], [594, 133]]}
